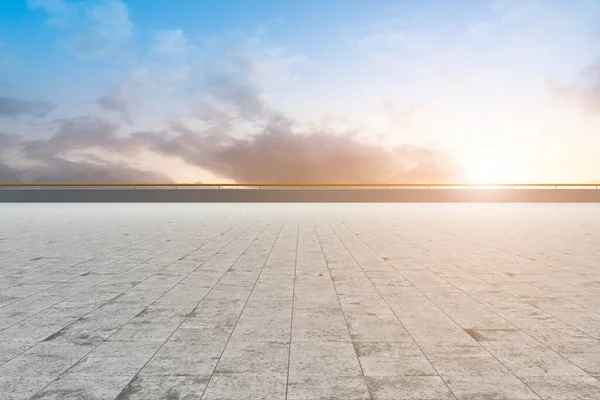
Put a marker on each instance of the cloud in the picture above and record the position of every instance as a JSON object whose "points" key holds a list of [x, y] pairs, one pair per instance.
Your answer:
{"points": [[277, 154], [584, 90], [231, 130], [387, 38], [48, 160], [479, 29], [8, 140], [401, 117], [12, 107], [59, 170], [244, 139], [121, 100], [95, 30], [80, 134], [170, 42], [58, 10]]}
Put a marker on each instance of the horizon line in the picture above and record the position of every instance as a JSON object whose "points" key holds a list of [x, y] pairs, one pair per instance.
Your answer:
{"points": [[297, 184]]}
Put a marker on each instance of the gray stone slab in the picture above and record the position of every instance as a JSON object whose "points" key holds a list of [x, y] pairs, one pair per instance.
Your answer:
{"points": [[76, 388], [165, 387], [564, 387], [308, 301], [254, 358], [408, 387], [490, 387], [327, 387], [177, 358], [19, 388], [245, 387]]}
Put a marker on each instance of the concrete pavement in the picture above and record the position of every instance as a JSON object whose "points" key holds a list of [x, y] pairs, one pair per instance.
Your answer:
{"points": [[300, 301]]}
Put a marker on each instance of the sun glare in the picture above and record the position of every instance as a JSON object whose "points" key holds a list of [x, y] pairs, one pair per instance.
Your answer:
{"points": [[493, 171]]}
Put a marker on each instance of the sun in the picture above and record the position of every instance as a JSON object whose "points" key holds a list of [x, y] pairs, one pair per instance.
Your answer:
{"points": [[493, 171]]}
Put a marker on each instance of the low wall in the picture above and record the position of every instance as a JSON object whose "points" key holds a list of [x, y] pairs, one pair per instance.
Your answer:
{"points": [[102, 195]]}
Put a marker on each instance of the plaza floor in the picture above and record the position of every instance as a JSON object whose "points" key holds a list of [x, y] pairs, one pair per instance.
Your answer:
{"points": [[299, 301]]}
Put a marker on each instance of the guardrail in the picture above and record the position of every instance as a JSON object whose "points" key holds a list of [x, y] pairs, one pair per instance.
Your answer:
{"points": [[299, 185]]}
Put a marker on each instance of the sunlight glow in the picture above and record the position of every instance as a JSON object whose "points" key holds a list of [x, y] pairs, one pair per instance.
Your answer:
{"points": [[494, 171]]}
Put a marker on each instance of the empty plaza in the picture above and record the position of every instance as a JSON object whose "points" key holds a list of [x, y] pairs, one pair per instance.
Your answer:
{"points": [[300, 301]]}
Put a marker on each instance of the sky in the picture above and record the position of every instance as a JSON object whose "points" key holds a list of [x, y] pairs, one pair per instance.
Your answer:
{"points": [[299, 91]]}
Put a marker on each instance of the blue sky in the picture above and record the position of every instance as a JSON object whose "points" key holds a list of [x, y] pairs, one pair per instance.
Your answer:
{"points": [[335, 90]]}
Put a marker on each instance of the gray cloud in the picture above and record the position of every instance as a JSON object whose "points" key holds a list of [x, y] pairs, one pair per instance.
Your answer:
{"points": [[81, 133], [8, 141], [120, 100], [277, 154], [50, 157], [9, 174], [59, 170], [13, 107]]}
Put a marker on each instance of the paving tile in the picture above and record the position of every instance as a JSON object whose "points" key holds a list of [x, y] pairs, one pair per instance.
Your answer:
{"points": [[408, 387], [272, 325], [244, 387], [75, 388], [217, 334], [115, 359], [147, 332], [327, 387], [484, 365], [254, 358], [397, 366], [18, 388], [395, 349], [534, 361], [323, 358], [564, 387], [377, 328], [46, 360], [184, 359], [165, 387], [319, 325], [10, 350], [490, 387]]}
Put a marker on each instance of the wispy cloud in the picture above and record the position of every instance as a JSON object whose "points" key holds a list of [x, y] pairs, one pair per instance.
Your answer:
{"points": [[121, 99], [95, 30], [12, 107], [584, 90], [59, 11]]}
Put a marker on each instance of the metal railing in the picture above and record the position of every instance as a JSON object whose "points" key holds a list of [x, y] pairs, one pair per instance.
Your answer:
{"points": [[299, 185]]}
